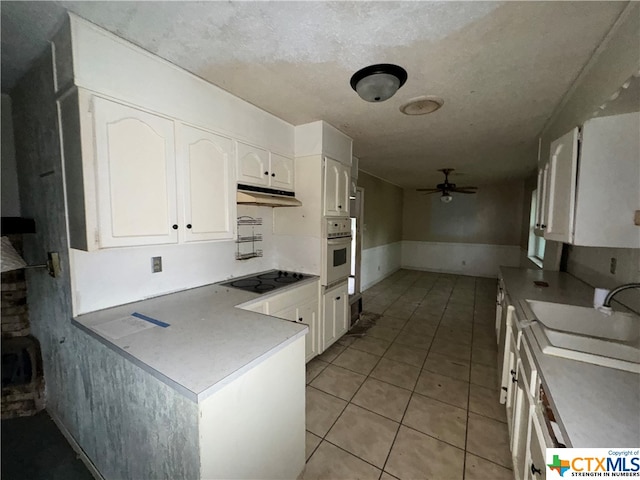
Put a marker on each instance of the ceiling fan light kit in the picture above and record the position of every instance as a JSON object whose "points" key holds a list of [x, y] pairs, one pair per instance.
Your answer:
{"points": [[377, 83], [447, 188], [446, 197]]}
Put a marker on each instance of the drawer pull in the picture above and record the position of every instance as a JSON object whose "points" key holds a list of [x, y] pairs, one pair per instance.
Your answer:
{"points": [[300, 319], [534, 470], [337, 298]]}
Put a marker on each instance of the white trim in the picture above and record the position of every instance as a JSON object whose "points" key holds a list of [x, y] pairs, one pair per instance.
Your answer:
{"points": [[76, 447]]}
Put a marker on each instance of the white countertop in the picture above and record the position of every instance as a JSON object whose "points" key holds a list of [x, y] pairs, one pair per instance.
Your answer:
{"points": [[209, 342], [595, 406]]}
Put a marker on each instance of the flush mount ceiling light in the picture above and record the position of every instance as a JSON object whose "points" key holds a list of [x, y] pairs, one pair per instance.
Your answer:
{"points": [[377, 83], [422, 105]]}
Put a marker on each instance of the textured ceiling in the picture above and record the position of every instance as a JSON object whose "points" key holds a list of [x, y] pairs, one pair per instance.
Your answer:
{"points": [[501, 67]]}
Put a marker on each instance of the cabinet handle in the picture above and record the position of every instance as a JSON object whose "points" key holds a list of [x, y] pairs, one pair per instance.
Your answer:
{"points": [[514, 380], [266, 173], [537, 224], [337, 298], [340, 207], [543, 226], [534, 470], [174, 226], [300, 319], [273, 174], [188, 225]]}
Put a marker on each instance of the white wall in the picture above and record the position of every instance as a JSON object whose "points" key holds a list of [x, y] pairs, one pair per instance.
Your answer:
{"points": [[9, 175], [473, 259], [116, 276], [379, 262]]}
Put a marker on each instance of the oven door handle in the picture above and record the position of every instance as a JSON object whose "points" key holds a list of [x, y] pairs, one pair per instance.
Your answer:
{"points": [[339, 241]]}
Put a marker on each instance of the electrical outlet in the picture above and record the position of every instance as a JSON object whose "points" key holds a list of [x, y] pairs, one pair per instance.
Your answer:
{"points": [[612, 265], [156, 264]]}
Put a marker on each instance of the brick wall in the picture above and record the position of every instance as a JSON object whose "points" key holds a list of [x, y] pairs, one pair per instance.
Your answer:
{"points": [[14, 309]]}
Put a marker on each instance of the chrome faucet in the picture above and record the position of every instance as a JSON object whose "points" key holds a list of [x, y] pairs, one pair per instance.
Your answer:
{"points": [[610, 295]]}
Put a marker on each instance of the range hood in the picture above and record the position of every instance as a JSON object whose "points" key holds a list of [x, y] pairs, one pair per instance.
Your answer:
{"points": [[270, 197]]}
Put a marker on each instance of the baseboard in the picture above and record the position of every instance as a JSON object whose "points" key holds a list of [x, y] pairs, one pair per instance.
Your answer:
{"points": [[375, 282], [448, 272], [76, 447]]}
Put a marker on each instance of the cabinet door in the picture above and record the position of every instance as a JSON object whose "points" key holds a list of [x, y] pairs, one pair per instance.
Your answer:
{"points": [[541, 197], [511, 363], [344, 187], [563, 168], [308, 314], [521, 414], [535, 468], [208, 179], [281, 173], [253, 165], [342, 311], [335, 321], [136, 176], [332, 176]]}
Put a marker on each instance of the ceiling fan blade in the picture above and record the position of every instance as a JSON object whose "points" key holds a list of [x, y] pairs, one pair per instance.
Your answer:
{"points": [[429, 193], [464, 191], [430, 190], [466, 188]]}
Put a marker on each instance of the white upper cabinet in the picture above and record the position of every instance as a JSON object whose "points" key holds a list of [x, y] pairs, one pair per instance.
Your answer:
{"points": [[337, 181], [136, 176], [282, 172], [590, 199], [253, 165], [264, 169], [608, 192], [208, 180], [563, 168]]}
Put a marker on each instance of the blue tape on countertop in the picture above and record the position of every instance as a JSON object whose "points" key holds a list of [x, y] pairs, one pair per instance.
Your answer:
{"points": [[150, 320]]}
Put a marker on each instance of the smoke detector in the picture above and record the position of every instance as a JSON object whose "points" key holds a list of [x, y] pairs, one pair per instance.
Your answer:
{"points": [[422, 105]]}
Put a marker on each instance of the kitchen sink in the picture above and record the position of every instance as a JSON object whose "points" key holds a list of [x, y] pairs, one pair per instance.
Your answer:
{"points": [[586, 334]]}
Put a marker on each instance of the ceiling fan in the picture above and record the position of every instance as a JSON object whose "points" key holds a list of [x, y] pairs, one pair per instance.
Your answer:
{"points": [[447, 188]]}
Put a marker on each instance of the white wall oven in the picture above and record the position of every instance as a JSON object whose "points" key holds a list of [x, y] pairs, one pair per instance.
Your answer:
{"points": [[336, 250]]}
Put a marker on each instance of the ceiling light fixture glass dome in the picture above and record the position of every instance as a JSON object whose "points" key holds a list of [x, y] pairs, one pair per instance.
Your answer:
{"points": [[377, 83], [446, 197]]}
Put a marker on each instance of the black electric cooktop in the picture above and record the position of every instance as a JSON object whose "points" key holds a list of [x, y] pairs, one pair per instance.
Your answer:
{"points": [[266, 282]]}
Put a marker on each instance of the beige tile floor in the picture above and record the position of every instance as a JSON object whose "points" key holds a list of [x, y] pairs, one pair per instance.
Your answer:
{"points": [[417, 397]]}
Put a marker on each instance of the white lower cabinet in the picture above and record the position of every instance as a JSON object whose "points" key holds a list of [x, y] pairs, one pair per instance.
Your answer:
{"points": [[335, 314], [296, 305], [520, 384], [308, 314], [534, 467]]}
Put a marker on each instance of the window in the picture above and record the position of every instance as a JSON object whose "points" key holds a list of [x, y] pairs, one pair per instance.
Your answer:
{"points": [[536, 243]]}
